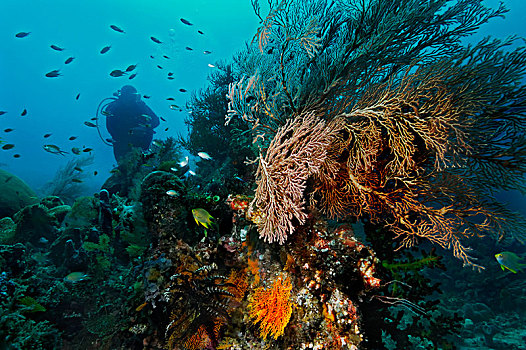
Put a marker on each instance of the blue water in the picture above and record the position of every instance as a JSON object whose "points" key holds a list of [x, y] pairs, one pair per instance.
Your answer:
{"points": [[83, 29]]}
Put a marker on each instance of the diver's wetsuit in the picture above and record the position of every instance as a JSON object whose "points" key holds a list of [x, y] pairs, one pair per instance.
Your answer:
{"points": [[130, 123]]}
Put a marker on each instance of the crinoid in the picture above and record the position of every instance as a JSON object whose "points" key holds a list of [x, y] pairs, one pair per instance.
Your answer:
{"points": [[199, 304]]}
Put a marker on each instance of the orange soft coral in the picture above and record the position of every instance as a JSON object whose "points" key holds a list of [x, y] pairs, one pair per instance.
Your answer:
{"points": [[272, 307]]}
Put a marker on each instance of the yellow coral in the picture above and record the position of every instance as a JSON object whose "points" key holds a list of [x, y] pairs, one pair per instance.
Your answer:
{"points": [[272, 307]]}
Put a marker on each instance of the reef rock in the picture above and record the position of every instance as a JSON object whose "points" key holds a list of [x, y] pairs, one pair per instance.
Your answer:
{"points": [[7, 230], [15, 194]]}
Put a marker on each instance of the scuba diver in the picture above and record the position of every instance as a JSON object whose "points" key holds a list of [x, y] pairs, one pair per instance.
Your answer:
{"points": [[129, 121]]}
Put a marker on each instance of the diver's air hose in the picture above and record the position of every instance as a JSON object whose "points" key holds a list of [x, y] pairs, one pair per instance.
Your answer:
{"points": [[100, 108]]}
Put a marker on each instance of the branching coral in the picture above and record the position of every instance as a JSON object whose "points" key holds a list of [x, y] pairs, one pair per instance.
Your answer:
{"points": [[414, 130], [272, 307]]}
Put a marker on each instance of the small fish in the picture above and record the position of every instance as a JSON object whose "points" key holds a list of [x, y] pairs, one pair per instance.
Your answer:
{"points": [[166, 57], [8, 130], [22, 34], [56, 48], [16, 155], [200, 32], [76, 277], [157, 144], [175, 107], [77, 168], [170, 74], [192, 173], [182, 90], [90, 124], [166, 129], [155, 40], [117, 73], [75, 150], [95, 173], [146, 96], [87, 149], [105, 49], [71, 138], [131, 68], [43, 240], [69, 60], [106, 113], [211, 65], [206, 52], [132, 76], [184, 162], [152, 57], [24, 112], [170, 99], [47, 135], [53, 74], [54, 149], [171, 193], [2, 112], [186, 22], [76, 181], [162, 119], [202, 217], [7, 146], [110, 140], [140, 307], [510, 261], [160, 67], [117, 29], [77, 97], [189, 48], [204, 155], [170, 78]]}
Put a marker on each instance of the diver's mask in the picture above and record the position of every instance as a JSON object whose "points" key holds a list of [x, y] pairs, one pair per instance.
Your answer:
{"points": [[134, 96]]}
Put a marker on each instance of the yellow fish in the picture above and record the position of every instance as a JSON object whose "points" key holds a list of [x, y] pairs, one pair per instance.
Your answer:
{"points": [[510, 261], [202, 217]]}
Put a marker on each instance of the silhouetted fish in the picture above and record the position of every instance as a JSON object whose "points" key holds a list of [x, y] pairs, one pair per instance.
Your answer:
{"points": [[22, 34], [182, 90], [162, 119], [200, 32], [170, 78], [56, 48], [24, 112], [206, 52], [131, 67], [69, 60], [87, 149], [53, 74], [47, 135], [8, 130], [160, 67], [90, 124], [105, 49], [8, 146], [170, 99], [166, 57], [117, 29], [77, 97], [189, 48], [170, 74], [155, 40], [71, 138], [146, 96], [132, 76], [2, 112], [186, 22], [16, 155], [117, 73]]}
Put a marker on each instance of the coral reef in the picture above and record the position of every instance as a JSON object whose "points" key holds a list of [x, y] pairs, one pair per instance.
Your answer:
{"points": [[14, 194]]}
